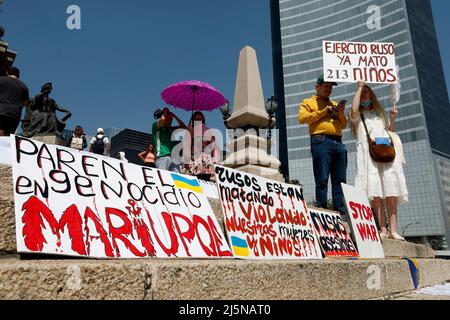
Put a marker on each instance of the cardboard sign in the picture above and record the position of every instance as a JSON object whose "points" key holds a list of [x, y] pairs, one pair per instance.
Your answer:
{"points": [[265, 219], [354, 61], [76, 203], [334, 239], [364, 228]]}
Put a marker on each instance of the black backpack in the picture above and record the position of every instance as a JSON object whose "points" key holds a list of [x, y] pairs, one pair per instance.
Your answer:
{"points": [[98, 147]]}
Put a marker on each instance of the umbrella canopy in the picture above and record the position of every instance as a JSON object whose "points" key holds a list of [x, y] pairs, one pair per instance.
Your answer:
{"points": [[193, 95]]}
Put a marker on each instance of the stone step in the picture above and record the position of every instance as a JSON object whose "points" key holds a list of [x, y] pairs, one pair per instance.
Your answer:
{"points": [[392, 248], [163, 279]]}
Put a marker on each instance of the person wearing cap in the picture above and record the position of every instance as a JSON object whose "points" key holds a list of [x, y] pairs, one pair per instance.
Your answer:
{"points": [[100, 143], [326, 120], [13, 97], [162, 130]]}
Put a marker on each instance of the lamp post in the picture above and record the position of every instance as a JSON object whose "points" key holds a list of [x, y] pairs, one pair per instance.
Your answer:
{"points": [[271, 108], [225, 110], [406, 227]]}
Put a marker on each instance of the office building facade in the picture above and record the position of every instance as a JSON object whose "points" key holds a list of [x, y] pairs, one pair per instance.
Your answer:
{"points": [[131, 142], [298, 29]]}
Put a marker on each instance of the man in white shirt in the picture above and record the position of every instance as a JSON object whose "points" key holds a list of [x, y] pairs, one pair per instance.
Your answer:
{"points": [[100, 143]]}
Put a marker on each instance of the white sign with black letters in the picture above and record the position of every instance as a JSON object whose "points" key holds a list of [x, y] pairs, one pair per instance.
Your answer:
{"points": [[354, 61]]}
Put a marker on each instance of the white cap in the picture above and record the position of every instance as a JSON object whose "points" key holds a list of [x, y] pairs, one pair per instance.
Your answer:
{"points": [[99, 130]]}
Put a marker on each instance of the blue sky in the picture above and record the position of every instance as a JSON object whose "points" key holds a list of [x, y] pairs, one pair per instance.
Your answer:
{"points": [[111, 72]]}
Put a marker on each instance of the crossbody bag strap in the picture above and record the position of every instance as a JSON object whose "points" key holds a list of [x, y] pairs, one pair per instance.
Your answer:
{"points": [[367, 131], [365, 127]]}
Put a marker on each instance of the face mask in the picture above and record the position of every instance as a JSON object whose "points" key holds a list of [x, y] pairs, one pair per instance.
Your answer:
{"points": [[365, 104]]}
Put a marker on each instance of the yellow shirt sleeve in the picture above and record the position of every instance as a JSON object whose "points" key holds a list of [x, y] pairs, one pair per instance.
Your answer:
{"points": [[307, 115]]}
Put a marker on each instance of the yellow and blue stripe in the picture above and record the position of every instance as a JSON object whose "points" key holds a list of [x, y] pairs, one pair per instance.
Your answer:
{"points": [[240, 247], [185, 183], [415, 271]]}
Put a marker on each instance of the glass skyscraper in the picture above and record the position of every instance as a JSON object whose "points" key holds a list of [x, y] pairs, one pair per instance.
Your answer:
{"points": [[298, 29]]}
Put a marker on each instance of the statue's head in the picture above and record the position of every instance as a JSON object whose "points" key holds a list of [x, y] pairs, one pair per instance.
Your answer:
{"points": [[47, 88]]}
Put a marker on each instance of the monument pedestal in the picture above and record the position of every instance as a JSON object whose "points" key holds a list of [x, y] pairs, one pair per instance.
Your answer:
{"points": [[268, 173], [50, 139], [249, 151]]}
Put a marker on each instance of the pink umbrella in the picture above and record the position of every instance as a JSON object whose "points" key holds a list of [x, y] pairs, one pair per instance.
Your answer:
{"points": [[193, 95]]}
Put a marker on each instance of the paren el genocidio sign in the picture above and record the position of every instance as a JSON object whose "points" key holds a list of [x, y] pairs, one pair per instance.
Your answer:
{"points": [[79, 204], [354, 61], [265, 219]]}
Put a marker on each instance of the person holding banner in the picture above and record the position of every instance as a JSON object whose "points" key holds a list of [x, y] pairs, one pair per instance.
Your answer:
{"points": [[326, 120], [383, 182]]}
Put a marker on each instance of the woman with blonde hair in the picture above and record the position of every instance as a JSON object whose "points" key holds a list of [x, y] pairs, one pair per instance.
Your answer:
{"points": [[384, 183]]}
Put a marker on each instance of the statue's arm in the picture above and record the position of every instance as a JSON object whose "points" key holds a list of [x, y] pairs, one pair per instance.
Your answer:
{"points": [[61, 109]]}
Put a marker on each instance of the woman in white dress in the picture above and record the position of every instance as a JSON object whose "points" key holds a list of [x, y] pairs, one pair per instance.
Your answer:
{"points": [[384, 183]]}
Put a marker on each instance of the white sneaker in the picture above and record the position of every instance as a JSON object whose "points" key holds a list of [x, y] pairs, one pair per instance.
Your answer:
{"points": [[396, 236], [384, 235]]}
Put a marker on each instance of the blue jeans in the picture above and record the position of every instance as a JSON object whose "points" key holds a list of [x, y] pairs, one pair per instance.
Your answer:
{"points": [[165, 163], [329, 158]]}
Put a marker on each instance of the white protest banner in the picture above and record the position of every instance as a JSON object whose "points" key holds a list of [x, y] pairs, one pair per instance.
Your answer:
{"points": [[76, 203], [265, 219], [364, 227], [334, 239], [5, 151], [354, 61], [209, 189]]}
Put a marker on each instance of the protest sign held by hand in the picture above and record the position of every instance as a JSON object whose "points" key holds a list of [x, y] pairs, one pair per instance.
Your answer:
{"points": [[355, 61]]}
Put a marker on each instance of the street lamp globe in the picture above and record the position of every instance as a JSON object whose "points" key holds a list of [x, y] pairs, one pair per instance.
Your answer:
{"points": [[225, 110], [271, 106]]}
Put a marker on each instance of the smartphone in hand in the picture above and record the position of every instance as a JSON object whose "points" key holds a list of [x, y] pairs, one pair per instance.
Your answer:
{"points": [[342, 103], [340, 107]]}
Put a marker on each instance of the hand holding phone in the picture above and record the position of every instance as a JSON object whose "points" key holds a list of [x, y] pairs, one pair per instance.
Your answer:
{"points": [[341, 105], [338, 109]]}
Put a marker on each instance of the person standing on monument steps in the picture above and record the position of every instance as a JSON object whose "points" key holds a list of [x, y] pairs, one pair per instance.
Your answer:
{"points": [[162, 130], [100, 143], [326, 120], [78, 139], [148, 156], [13, 97], [384, 183]]}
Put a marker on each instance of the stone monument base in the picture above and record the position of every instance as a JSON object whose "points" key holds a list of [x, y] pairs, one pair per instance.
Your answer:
{"points": [[268, 173], [50, 139]]}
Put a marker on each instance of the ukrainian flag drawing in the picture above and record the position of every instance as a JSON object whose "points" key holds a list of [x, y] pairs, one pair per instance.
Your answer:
{"points": [[240, 247], [415, 271], [185, 183]]}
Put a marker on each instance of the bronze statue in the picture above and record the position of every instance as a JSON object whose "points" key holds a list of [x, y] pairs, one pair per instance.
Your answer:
{"points": [[40, 116], [6, 56]]}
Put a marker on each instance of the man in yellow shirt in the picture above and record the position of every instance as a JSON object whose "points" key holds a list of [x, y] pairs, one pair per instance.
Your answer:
{"points": [[326, 120]]}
